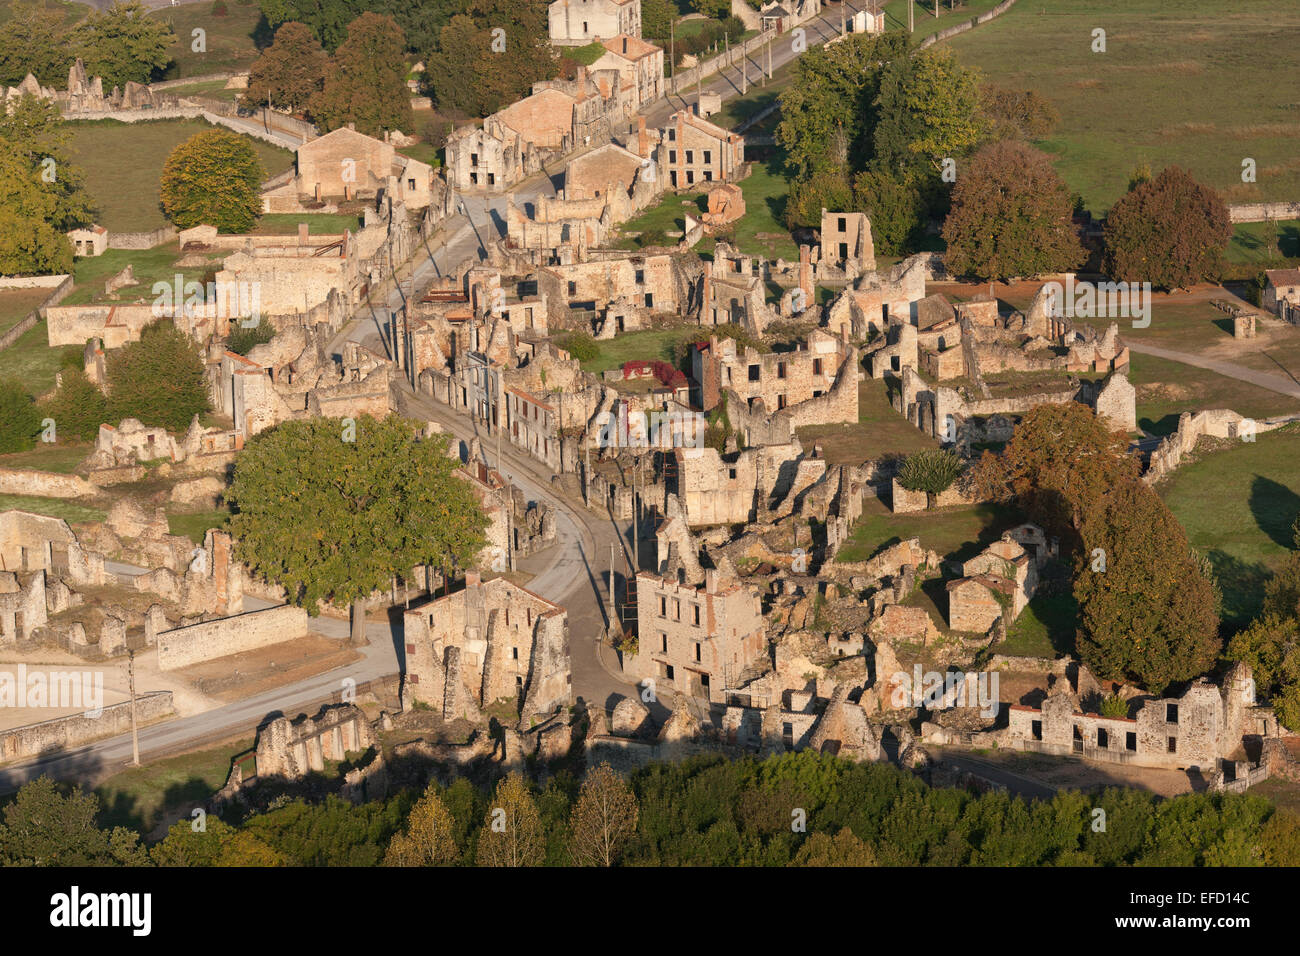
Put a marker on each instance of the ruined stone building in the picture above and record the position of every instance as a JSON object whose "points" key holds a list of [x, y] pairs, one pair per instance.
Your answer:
{"points": [[1195, 731], [846, 244], [345, 164], [697, 641], [734, 291], [778, 379], [997, 583], [874, 300], [640, 65], [733, 489], [580, 22], [489, 642], [557, 118], [1282, 294], [693, 151], [654, 282]]}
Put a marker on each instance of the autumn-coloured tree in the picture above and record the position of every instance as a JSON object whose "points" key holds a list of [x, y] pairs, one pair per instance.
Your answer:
{"points": [[214, 178], [1016, 114], [843, 849], [430, 837], [927, 112], [512, 834], [1061, 459], [1147, 613], [217, 844], [366, 81], [604, 818], [1170, 231], [1011, 216], [290, 72]]}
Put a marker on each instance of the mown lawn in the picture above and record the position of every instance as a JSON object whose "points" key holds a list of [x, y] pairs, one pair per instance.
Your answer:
{"points": [[318, 224], [648, 346], [1166, 389], [195, 526], [32, 362], [958, 533], [1265, 242], [17, 304], [59, 457], [762, 230], [879, 431], [148, 266], [1238, 505], [656, 223], [69, 510], [123, 163], [72, 12], [1192, 83], [1045, 628]]}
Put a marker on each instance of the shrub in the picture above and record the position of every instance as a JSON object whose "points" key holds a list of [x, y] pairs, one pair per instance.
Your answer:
{"points": [[219, 9], [242, 340], [579, 345], [78, 407], [932, 471], [159, 379], [1114, 706], [20, 421]]}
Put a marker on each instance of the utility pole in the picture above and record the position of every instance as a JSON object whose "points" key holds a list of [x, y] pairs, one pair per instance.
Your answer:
{"points": [[135, 735], [672, 46], [911, 10], [611, 585]]}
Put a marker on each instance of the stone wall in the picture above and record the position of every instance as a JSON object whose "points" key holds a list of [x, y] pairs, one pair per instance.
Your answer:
{"points": [[44, 484], [1216, 423], [183, 646], [1263, 211], [63, 733]]}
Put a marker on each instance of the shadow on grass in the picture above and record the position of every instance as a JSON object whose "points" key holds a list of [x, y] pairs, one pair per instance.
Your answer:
{"points": [[1242, 586], [1275, 507]]}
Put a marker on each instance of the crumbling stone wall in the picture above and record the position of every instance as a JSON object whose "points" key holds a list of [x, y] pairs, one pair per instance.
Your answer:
{"points": [[183, 646], [75, 730]]}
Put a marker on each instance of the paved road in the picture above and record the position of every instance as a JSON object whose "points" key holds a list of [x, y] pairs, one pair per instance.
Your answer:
{"points": [[1274, 383], [1014, 782]]}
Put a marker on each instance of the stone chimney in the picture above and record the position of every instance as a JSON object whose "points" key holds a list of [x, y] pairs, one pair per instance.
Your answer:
{"points": [[472, 579], [711, 577], [642, 140]]}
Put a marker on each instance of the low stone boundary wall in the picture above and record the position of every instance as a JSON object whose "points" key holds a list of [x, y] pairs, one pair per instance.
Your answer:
{"points": [[32, 282], [1263, 211], [63, 733], [141, 240], [44, 484], [970, 24], [62, 285], [196, 643]]}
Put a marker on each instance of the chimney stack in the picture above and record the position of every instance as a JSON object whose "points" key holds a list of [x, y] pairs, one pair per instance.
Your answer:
{"points": [[642, 141]]}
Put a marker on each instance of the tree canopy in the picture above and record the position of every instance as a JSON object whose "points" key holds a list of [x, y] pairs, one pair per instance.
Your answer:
{"points": [[332, 509], [366, 81], [1011, 216], [290, 72], [158, 379], [122, 44], [1169, 230], [213, 178]]}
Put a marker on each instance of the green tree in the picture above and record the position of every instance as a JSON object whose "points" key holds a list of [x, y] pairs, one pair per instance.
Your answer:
{"points": [[29, 242], [826, 186], [464, 70], [158, 379], [657, 19], [366, 80], [843, 849], [78, 407], [1264, 645], [603, 819], [328, 19], [20, 422], [713, 9], [44, 827], [896, 206], [218, 844], [123, 44], [833, 91], [332, 509], [512, 834], [1011, 216], [33, 42], [430, 836], [214, 178], [1148, 613], [1170, 231], [290, 72], [929, 110], [241, 340], [34, 134]]}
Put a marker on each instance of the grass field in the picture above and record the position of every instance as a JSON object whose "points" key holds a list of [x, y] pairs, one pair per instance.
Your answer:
{"points": [[32, 362], [60, 457], [879, 431], [17, 304], [1237, 506], [1045, 628], [230, 46], [1166, 389], [123, 163], [1265, 242], [762, 231], [72, 12], [957, 533], [149, 266], [666, 216], [1185, 83], [195, 526], [70, 511], [318, 224], [645, 346], [140, 797]]}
